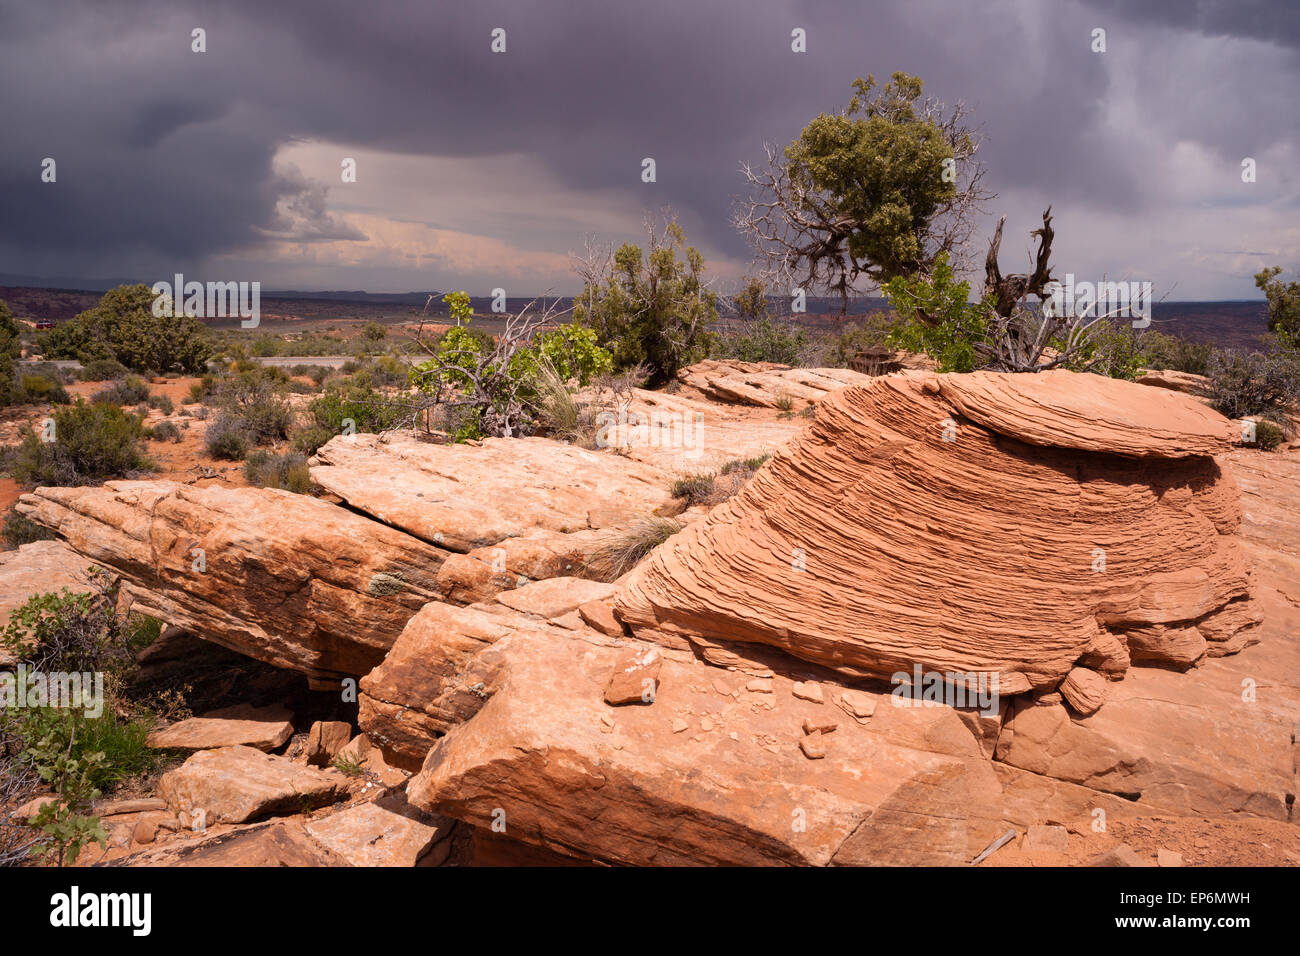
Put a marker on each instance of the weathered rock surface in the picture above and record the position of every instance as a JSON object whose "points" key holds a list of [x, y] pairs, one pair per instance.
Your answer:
{"points": [[325, 739], [370, 834], [287, 579], [463, 497], [38, 568], [680, 435], [262, 728], [1174, 380], [572, 775], [766, 384], [238, 784], [890, 534]]}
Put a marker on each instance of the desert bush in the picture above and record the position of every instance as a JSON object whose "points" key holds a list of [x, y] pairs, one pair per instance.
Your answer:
{"points": [[1112, 349], [935, 317], [1170, 352], [18, 530], [123, 327], [164, 431], [714, 488], [1283, 305], [74, 750], [31, 388], [287, 471], [69, 632], [1269, 435], [256, 398], [650, 309], [374, 332], [1256, 383], [92, 443], [226, 438], [102, 370], [694, 489], [11, 349], [131, 390], [162, 403], [355, 401], [621, 551], [762, 340]]}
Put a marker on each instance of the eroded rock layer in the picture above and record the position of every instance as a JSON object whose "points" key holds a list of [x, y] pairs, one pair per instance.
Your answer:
{"points": [[1016, 525], [287, 579]]}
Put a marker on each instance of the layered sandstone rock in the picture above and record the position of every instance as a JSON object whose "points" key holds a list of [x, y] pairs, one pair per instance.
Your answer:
{"points": [[767, 384], [1013, 525], [464, 497], [285, 578]]}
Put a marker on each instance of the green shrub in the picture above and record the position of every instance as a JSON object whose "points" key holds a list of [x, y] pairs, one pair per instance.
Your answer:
{"points": [[367, 408], [935, 317], [287, 471], [226, 438], [91, 443], [36, 389], [1269, 435], [18, 530], [763, 341], [131, 390], [123, 327], [102, 370], [11, 349], [1170, 352], [695, 489], [162, 403], [256, 399], [1256, 383], [165, 431], [654, 309]]}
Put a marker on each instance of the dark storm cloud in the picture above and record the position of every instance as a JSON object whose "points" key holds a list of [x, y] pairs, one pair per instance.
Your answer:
{"points": [[165, 156], [1272, 21]]}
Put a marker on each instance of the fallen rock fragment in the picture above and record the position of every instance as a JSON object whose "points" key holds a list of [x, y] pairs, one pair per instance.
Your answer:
{"points": [[262, 728], [813, 745], [857, 704], [238, 784], [1046, 838], [808, 690], [1084, 690], [1122, 855], [635, 679], [373, 835], [325, 739]]}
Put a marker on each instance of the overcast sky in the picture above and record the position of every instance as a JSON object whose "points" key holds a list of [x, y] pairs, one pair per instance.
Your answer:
{"points": [[477, 170]]}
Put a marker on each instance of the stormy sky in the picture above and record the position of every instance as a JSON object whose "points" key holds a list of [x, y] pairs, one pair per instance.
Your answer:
{"points": [[477, 170]]}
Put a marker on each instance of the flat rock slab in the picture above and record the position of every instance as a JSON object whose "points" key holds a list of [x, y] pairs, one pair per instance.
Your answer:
{"points": [[463, 497], [238, 784], [371, 835], [263, 728], [766, 384], [573, 775]]}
